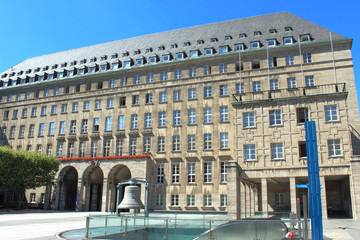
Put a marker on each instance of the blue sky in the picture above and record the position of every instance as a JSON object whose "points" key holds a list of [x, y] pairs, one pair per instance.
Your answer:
{"points": [[38, 27]]}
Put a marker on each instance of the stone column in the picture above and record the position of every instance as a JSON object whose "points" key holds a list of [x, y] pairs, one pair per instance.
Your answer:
{"points": [[243, 199], [323, 197], [293, 194], [47, 200], [264, 197], [355, 186], [252, 199], [56, 196], [105, 194], [233, 191], [79, 195]]}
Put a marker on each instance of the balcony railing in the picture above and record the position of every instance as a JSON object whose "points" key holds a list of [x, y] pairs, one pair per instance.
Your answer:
{"points": [[286, 93]]}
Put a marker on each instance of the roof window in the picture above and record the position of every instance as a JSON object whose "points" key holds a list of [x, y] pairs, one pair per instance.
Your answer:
{"points": [[83, 61], [180, 55], [200, 41], [162, 47], [140, 61], [228, 37], [64, 64], [44, 68], [187, 43], [124, 54], [54, 66], [214, 39], [288, 40], [174, 45], [103, 58], [242, 35], [272, 31], [209, 51], [115, 55], [257, 33], [224, 49], [152, 59], [93, 59], [137, 51], [271, 42], [149, 50], [194, 53], [239, 47], [288, 29], [255, 44], [28, 71], [73, 63], [305, 38]]}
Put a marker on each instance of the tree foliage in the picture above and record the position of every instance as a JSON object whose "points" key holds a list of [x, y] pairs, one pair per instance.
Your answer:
{"points": [[22, 170]]}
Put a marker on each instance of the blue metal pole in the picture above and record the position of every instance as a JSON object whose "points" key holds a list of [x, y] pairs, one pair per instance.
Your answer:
{"points": [[314, 181]]}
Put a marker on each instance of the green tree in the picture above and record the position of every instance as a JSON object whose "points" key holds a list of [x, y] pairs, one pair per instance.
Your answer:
{"points": [[23, 170]]}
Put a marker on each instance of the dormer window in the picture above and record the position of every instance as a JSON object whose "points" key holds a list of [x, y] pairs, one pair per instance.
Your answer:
{"points": [[41, 78], [54, 66], [93, 59], [255, 44], [63, 64], [4, 75], [23, 81], [209, 51], [257, 33], [127, 63], [37, 70], [115, 65], [305, 38], [200, 41], [103, 67], [103, 58], [272, 31], [239, 47], [187, 43], [115, 55], [162, 47], [228, 37], [73, 63], [152, 59], [60, 75], [82, 71], [242, 35], [271, 42], [32, 79], [194, 53], [288, 40], [50, 76], [19, 73], [13, 82], [92, 69], [224, 49], [288, 29], [124, 54], [174, 45], [71, 73], [13, 74], [214, 39], [166, 57], [28, 71], [44, 69], [83, 61], [140, 61], [149, 50], [137, 51], [180, 55]]}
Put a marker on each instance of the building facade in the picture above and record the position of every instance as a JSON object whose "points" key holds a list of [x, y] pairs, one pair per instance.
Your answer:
{"points": [[212, 117]]}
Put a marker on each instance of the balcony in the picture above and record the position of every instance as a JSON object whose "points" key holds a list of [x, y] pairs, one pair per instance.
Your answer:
{"points": [[290, 93]]}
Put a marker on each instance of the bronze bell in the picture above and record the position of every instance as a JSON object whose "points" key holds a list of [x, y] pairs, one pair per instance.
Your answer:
{"points": [[131, 198]]}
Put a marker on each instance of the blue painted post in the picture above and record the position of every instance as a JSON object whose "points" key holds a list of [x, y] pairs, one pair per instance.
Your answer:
{"points": [[314, 181]]}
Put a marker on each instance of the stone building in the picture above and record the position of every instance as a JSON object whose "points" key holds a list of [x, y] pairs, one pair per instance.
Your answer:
{"points": [[212, 117]]}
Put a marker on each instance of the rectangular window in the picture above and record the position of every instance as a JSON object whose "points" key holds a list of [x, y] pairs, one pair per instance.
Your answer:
{"points": [[249, 152], [302, 115], [207, 141], [223, 68], [15, 114], [41, 129], [98, 104], [192, 93], [106, 150], [223, 200], [111, 83], [123, 81], [96, 125], [122, 101], [190, 200], [249, 119], [43, 110], [223, 172], [94, 145], [148, 98], [274, 84], [121, 124], [224, 140], [119, 147], [207, 92], [224, 114], [162, 97], [135, 100], [132, 146], [240, 88], [84, 124], [176, 144], [279, 199], [207, 115], [291, 82], [147, 143], [334, 148], [150, 78], [59, 150], [73, 126], [160, 173], [22, 131], [62, 127], [159, 200], [51, 128], [161, 144], [108, 123], [53, 109], [176, 95], [174, 200], [48, 148], [82, 149], [192, 72], [175, 173], [223, 90], [75, 107], [38, 147], [64, 108], [163, 76], [177, 117], [33, 111], [331, 113], [257, 86], [31, 130], [207, 70], [272, 62], [6, 115], [136, 79], [192, 116], [191, 173], [147, 120], [162, 119], [309, 81], [207, 172], [134, 121], [302, 150], [288, 40], [110, 103], [191, 142], [307, 57], [70, 149], [277, 151], [178, 74], [289, 60], [275, 117], [12, 132]]}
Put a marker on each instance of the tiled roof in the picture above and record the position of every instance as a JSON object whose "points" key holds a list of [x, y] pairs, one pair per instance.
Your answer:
{"points": [[198, 37]]}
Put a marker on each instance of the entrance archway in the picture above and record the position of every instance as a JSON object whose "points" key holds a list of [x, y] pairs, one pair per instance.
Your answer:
{"points": [[93, 180], [68, 188], [118, 173]]}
